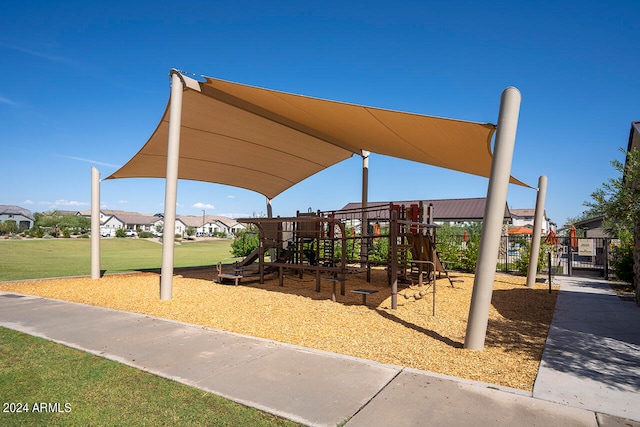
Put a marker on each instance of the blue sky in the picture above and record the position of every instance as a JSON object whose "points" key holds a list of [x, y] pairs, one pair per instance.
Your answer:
{"points": [[85, 84]]}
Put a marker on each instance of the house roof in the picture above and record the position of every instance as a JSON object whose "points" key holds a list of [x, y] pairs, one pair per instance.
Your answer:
{"points": [[279, 139], [137, 218], [196, 221], [523, 212], [63, 212], [597, 220], [16, 210], [470, 209], [634, 136]]}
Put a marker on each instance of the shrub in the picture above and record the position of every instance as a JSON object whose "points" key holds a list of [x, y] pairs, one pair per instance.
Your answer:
{"points": [[379, 251], [145, 235], [8, 227], [469, 259], [245, 242], [522, 263], [622, 260], [121, 232]]}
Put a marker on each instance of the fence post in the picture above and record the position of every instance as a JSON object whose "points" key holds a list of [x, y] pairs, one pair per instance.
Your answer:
{"points": [[549, 262], [569, 258], [605, 254], [393, 258]]}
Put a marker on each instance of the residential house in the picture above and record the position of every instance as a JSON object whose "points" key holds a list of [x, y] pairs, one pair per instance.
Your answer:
{"points": [[210, 224], [525, 218], [23, 218], [592, 227], [115, 219]]}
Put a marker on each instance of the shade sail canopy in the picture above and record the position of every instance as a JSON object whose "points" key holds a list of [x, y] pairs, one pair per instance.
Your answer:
{"points": [[267, 141]]}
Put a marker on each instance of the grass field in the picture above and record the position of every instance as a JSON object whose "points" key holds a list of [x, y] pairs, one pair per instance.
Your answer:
{"points": [[43, 383], [90, 390], [44, 258]]}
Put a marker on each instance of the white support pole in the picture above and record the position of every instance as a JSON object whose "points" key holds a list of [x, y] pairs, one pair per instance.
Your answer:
{"points": [[493, 219], [364, 229], [171, 186], [537, 232], [95, 223]]}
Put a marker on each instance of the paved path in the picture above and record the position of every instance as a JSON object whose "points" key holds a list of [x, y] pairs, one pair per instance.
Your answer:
{"points": [[592, 354], [588, 377]]}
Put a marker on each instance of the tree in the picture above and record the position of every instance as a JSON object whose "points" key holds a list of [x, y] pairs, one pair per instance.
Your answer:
{"points": [[619, 201]]}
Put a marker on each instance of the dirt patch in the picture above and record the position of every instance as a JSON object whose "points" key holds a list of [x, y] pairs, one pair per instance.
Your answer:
{"points": [[409, 336], [625, 291]]}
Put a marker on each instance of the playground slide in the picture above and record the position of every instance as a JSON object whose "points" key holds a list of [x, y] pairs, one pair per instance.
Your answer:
{"points": [[428, 253], [249, 259]]}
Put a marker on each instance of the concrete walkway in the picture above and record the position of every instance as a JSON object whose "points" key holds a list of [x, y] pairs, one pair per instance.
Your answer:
{"points": [[590, 373], [592, 354]]}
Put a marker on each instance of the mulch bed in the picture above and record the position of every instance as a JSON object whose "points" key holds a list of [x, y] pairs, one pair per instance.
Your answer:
{"points": [[409, 336]]}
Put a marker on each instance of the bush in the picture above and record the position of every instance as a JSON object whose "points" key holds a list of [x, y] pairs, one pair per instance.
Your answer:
{"points": [[379, 251], [121, 232], [36, 232], [145, 235], [469, 259], [622, 260], [8, 227], [522, 263], [244, 243]]}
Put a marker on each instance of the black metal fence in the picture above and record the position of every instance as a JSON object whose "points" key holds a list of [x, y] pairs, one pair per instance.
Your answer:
{"points": [[569, 256]]}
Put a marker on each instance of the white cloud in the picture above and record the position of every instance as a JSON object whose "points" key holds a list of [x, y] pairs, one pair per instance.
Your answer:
{"points": [[95, 162], [236, 215], [7, 101], [201, 205], [63, 202], [231, 196], [38, 54], [27, 202], [123, 201]]}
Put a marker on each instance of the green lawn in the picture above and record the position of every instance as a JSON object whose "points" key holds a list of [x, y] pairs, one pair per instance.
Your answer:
{"points": [[84, 389], [43, 258], [79, 389]]}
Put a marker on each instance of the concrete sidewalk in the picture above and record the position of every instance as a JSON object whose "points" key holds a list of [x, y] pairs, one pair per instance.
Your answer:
{"points": [[592, 354], [319, 388]]}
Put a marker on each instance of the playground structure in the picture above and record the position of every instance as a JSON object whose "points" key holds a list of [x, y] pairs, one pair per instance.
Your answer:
{"points": [[331, 245]]}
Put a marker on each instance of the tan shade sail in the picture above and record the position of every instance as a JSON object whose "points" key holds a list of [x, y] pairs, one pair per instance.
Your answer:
{"points": [[267, 141]]}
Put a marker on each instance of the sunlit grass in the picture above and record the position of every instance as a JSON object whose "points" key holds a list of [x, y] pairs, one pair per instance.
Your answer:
{"points": [[42, 258], [79, 389]]}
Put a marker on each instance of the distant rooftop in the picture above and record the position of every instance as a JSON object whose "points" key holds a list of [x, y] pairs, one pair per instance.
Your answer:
{"points": [[471, 209], [16, 210]]}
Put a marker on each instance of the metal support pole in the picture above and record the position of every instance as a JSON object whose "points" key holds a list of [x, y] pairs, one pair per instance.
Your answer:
{"points": [[549, 262], [171, 186], [570, 258], [605, 255], [272, 250], [493, 218], [364, 233], [95, 223], [393, 258], [534, 253]]}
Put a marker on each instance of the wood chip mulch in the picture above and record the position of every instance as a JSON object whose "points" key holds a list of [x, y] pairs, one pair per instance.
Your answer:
{"points": [[409, 336]]}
